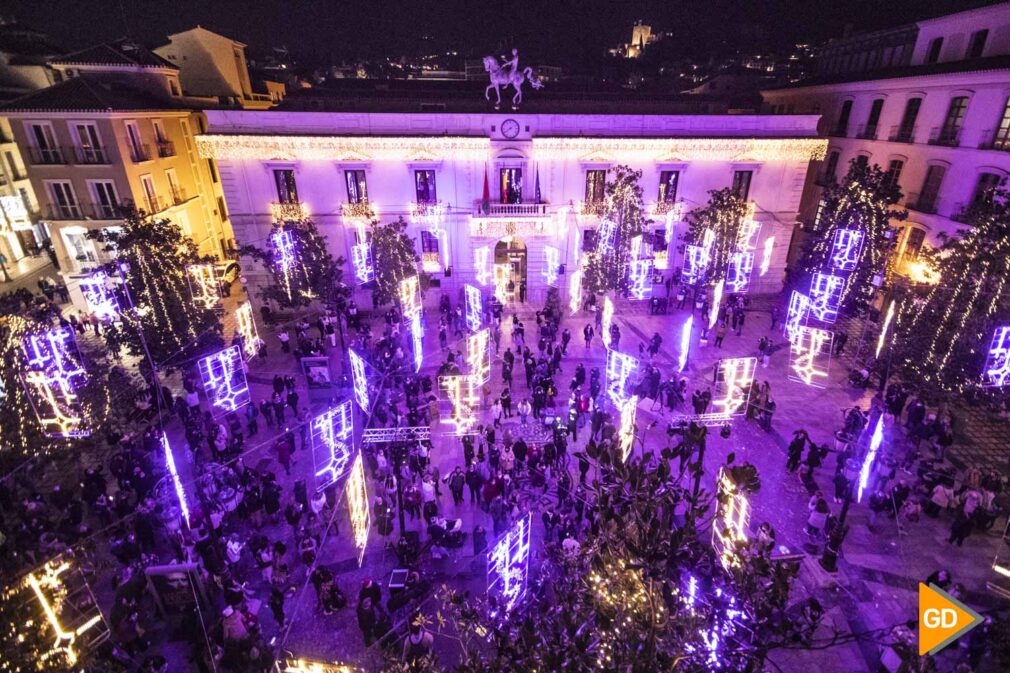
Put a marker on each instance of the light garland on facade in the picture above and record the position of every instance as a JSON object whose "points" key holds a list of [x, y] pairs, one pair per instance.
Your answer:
{"points": [[331, 434], [290, 211], [681, 149], [173, 472], [520, 227], [224, 379], [729, 528], [427, 215], [245, 330], [99, 297], [359, 380], [478, 355], [508, 565], [810, 356], [358, 507], [737, 378], [341, 148]]}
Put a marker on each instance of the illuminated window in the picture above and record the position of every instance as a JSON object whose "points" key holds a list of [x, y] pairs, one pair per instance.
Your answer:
{"points": [[596, 186], [511, 185], [357, 191], [741, 184], [1001, 141], [668, 182], [424, 186], [913, 244], [893, 173], [287, 190], [429, 242]]}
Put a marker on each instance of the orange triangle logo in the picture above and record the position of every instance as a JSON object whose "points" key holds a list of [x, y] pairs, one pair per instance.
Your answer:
{"points": [[942, 619]]}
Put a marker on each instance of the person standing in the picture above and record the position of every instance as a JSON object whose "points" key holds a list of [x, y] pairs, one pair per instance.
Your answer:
{"points": [[795, 450], [456, 482]]}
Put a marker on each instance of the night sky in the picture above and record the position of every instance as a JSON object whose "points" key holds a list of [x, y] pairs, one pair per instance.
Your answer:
{"points": [[570, 33]]}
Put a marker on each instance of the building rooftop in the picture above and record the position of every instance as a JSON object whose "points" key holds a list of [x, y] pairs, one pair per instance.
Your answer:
{"points": [[362, 95], [121, 52], [88, 94]]}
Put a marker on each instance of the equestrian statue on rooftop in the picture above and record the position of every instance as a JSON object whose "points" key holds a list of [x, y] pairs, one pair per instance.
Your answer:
{"points": [[505, 74]]}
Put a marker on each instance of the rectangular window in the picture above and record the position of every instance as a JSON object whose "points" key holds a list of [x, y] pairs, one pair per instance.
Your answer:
{"points": [[913, 243], [65, 204], [429, 242], [931, 188], [831, 167], [951, 128], [173, 186], [986, 183], [893, 173], [589, 240], [46, 150], [1001, 138], [357, 191], [287, 190], [668, 186], [741, 184], [906, 130], [596, 186], [106, 202], [977, 44], [870, 131], [933, 55], [138, 150], [150, 194], [511, 185], [842, 125], [222, 209], [424, 186], [862, 161], [213, 170], [89, 145]]}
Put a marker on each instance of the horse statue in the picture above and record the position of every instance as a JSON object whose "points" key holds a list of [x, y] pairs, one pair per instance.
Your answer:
{"points": [[505, 74]]}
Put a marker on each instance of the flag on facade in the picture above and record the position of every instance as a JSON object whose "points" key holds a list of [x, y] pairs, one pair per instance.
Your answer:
{"points": [[485, 199], [536, 187]]}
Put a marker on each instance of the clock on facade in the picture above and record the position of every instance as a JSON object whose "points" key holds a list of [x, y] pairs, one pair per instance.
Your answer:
{"points": [[510, 128]]}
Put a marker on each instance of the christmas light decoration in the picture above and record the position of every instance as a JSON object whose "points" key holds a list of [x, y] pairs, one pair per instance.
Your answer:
{"points": [[427, 215], [552, 263], [620, 367], [99, 297], [482, 264], [996, 373], [359, 380], [417, 337], [508, 565], [203, 285], [478, 356], [68, 621], [796, 314], [361, 259], [173, 472], [641, 150], [309, 666], [881, 339], [54, 375], [607, 321], [748, 235], [341, 148], [640, 275], [460, 391], [245, 329], [846, 247], [14, 210], [735, 378], [766, 255], [825, 296], [485, 226], [685, 343], [502, 274], [810, 356], [741, 265], [605, 235], [694, 264], [626, 433], [575, 291], [713, 315], [289, 211], [224, 380], [729, 528], [410, 296], [358, 507], [876, 439], [284, 244], [474, 308], [331, 434]]}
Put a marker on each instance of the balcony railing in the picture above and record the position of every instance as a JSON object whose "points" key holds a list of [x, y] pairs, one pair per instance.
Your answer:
{"points": [[824, 179], [839, 132], [178, 195], [153, 204], [922, 203], [65, 212], [995, 139], [593, 208], [867, 132], [902, 134], [509, 209], [427, 213], [140, 153], [47, 156], [360, 211], [85, 211], [91, 155], [293, 211], [947, 136], [166, 148]]}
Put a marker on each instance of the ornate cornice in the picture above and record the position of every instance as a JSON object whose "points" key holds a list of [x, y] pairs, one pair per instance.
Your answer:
{"points": [[340, 148], [681, 149]]}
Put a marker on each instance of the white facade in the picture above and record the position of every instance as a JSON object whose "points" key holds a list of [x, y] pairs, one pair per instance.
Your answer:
{"points": [[319, 148], [958, 140]]}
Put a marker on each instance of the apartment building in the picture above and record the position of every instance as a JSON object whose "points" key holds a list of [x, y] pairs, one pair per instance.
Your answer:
{"points": [[115, 133], [929, 102]]}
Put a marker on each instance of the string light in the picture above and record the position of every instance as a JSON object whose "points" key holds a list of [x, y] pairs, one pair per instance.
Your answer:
{"points": [[331, 433], [357, 505], [54, 376], [309, 666], [508, 565], [224, 380], [766, 255], [682, 149], [478, 355], [729, 528], [575, 291], [203, 285], [737, 376], [486, 226], [810, 356], [871, 455], [99, 297], [997, 363], [881, 339], [245, 330], [359, 380], [180, 493], [607, 320], [341, 148]]}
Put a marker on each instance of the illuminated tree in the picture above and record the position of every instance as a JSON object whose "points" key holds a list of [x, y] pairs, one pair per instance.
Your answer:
{"points": [[395, 258], [301, 268], [723, 216], [863, 201], [623, 218], [151, 254], [944, 330]]}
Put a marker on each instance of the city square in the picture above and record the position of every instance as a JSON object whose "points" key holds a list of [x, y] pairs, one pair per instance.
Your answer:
{"points": [[480, 363]]}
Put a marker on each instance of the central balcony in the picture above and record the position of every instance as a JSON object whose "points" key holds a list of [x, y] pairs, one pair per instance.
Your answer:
{"points": [[509, 209]]}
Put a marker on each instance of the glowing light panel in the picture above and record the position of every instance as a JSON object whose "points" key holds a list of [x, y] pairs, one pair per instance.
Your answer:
{"points": [[845, 249], [826, 296], [54, 373], [361, 258], [796, 314], [359, 380], [461, 393], [607, 320], [737, 375], [694, 264], [331, 433], [766, 255], [478, 355], [606, 235], [50, 592], [474, 307], [245, 329], [100, 298], [482, 264], [620, 367], [575, 291], [713, 315], [417, 337], [508, 564], [203, 285], [626, 433], [741, 264], [552, 264], [729, 528], [180, 492], [223, 375], [410, 296], [882, 338], [639, 273], [810, 356], [284, 245], [357, 505], [871, 455], [685, 343], [997, 360]]}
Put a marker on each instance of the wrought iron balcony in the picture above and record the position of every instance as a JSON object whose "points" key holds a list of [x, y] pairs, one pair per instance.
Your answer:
{"points": [[91, 155], [166, 148], [592, 208], [867, 132], [946, 136], [178, 195], [84, 211], [509, 209], [361, 211], [922, 203], [839, 132], [140, 153], [995, 139], [292, 211], [47, 156], [902, 134]]}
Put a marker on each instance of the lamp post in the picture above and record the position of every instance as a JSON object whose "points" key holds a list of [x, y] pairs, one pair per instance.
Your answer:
{"points": [[829, 559]]}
